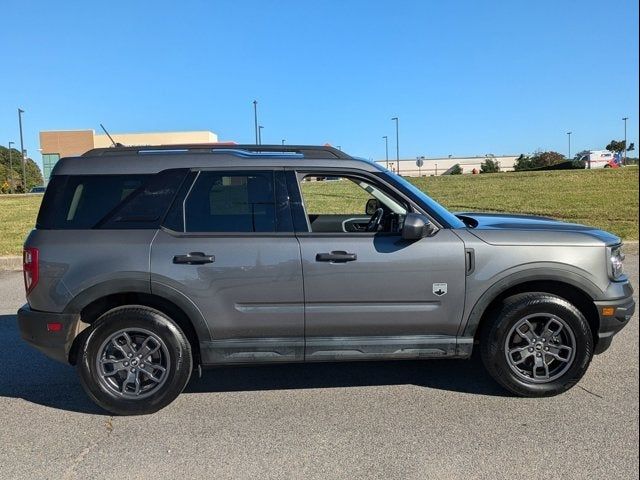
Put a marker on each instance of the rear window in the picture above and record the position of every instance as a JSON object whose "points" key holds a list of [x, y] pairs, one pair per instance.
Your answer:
{"points": [[107, 201]]}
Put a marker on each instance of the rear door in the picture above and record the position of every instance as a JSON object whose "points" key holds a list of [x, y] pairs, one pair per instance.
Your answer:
{"points": [[229, 247], [372, 294]]}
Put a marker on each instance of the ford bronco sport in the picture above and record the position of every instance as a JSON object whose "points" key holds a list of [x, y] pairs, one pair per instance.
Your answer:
{"points": [[148, 263]]}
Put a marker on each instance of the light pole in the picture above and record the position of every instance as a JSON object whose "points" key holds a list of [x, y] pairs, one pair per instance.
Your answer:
{"points": [[397, 143], [624, 162], [255, 120], [24, 169], [283, 141], [11, 167], [260, 127], [569, 135], [386, 150]]}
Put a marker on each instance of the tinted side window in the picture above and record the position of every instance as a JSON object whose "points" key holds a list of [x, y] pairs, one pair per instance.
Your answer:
{"points": [[231, 202], [146, 207], [81, 201]]}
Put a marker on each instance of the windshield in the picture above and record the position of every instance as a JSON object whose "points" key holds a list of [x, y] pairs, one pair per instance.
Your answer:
{"points": [[440, 213]]}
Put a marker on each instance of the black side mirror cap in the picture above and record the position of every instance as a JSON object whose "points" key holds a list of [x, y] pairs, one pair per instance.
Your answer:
{"points": [[417, 226]]}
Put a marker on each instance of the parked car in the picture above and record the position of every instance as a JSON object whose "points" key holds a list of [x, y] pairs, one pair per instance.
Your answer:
{"points": [[148, 263], [39, 189]]}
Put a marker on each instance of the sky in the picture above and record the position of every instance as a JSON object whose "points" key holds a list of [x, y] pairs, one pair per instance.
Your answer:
{"points": [[464, 77]]}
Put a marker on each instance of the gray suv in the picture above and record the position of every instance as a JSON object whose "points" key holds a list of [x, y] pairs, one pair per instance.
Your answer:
{"points": [[148, 263]]}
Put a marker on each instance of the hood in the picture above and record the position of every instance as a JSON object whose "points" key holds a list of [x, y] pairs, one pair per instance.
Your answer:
{"points": [[500, 226]]}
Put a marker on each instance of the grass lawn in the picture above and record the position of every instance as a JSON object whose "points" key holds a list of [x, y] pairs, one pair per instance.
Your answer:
{"points": [[17, 217], [607, 199]]}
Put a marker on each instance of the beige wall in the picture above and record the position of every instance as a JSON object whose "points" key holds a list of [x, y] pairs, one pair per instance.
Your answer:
{"points": [[438, 166], [72, 143], [156, 138]]}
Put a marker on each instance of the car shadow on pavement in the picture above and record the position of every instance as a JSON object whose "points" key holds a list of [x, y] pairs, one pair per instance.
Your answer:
{"points": [[35, 378], [465, 376]]}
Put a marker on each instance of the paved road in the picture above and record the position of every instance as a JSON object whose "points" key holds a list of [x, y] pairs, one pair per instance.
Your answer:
{"points": [[437, 419]]}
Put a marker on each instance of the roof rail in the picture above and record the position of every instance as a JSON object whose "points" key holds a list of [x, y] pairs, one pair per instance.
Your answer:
{"points": [[306, 151]]}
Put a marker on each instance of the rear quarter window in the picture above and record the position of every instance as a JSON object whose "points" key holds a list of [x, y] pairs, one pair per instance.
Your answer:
{"points": [[82, 201]]}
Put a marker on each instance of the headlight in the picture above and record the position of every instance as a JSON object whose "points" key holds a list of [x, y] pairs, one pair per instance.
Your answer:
{"points": [[616, 259]]}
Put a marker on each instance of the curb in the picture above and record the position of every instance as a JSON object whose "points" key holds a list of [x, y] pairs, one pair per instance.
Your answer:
{"points": [[11, 263]]}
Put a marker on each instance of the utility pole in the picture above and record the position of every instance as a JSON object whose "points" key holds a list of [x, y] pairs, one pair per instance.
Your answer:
{"points": [[11, 187], [386, 150], [397, 143], [569, 156], [624, 162], [24, 160], [255, 120]]}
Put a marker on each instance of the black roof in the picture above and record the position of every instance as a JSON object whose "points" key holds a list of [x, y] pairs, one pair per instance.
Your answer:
{"points": [[308, 151]]}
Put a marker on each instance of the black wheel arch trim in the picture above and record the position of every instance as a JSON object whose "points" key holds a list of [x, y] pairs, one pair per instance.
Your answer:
{"points": [[124, 286], [468, 329]]}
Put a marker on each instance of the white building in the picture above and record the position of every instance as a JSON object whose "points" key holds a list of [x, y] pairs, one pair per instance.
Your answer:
{"points": [[441, 166]]}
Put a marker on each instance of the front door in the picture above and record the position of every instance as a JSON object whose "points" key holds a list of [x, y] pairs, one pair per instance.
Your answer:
{"points": [[369, 293], [228, 247]]}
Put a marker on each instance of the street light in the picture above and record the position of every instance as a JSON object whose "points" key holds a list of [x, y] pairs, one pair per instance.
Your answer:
{"points": [[283, 141], [255, 119], [386, 150], [569, 135], [24, 169], [11, 166], [260, 127], [624, 162], [397, 143]]}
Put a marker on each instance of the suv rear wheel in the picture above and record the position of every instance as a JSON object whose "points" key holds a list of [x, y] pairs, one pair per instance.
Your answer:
{"points": [[538, 345], [135, 360]]}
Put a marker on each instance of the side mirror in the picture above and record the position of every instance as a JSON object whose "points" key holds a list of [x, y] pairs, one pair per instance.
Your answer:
{"points": [[372, 206], [416, 226]]}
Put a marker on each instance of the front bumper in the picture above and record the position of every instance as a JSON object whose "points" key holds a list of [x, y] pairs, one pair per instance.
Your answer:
{"points": [[614, 316], [33, 326]]}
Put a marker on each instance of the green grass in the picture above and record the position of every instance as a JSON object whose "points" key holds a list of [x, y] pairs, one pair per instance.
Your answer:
{"points": [[17, 217], [606, 199]]}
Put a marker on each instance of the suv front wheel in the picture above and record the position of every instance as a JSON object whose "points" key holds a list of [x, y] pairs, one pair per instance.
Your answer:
{"points": [[537, 345], [134, 361]]}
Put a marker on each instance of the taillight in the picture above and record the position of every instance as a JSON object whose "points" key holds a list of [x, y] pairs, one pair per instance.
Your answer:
{"points": [[30, 268]]}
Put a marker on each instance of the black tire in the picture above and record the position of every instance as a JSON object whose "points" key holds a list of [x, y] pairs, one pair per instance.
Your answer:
{"points": [[173, 348], [500, 330]]}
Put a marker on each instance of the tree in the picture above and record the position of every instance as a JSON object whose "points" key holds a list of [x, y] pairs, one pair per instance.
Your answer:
{"points": [[455, 170], [34, 175], [538, 160], [490, 165], [616, 146], [523, 162]]}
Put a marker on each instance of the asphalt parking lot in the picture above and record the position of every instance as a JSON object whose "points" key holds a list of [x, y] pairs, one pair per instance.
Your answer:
{"points": [[436, 419]]}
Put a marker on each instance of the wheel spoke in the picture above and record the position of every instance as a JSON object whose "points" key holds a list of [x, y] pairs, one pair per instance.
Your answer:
{"points": [[523, 353], [556, 351], [540, 364], [529, 334], [145, 350], [127, 349], [149, 371], [115, 366], [549, 331]]}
